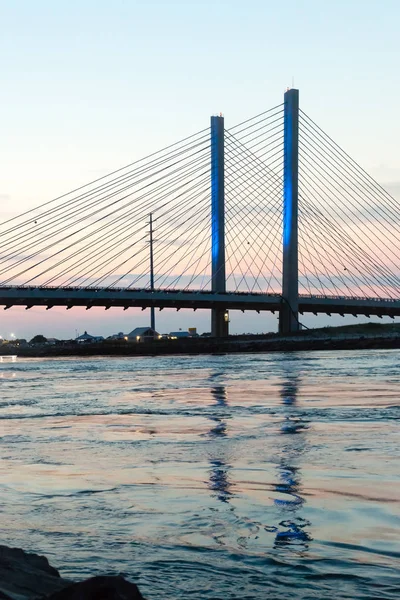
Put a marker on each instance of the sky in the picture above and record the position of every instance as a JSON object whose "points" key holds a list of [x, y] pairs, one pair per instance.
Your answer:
{"points": [[88, 86]]}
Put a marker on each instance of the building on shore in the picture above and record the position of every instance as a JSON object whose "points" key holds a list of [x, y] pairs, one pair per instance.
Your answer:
{"points": [[86, 338], [143, 334], [118, 336], [178, 335]]}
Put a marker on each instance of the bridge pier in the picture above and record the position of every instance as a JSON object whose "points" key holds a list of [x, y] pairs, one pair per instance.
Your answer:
{"points": [[289, 311], [152, 309], [219, 322], [219, 316]]}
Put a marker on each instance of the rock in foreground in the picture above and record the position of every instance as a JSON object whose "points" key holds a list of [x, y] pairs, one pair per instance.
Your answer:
{"points": [[25, 576], [100, 588]]}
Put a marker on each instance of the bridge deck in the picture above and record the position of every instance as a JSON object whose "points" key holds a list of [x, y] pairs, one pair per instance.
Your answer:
{"points": [[195, 299]]}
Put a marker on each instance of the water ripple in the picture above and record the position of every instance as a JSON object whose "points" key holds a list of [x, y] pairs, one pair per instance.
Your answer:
{"points": [[214, 477]]}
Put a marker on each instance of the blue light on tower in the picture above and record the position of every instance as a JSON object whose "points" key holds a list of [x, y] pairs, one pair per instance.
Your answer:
{"points": [[215, 189], [288, 320], [288, 184], [217, 204]]}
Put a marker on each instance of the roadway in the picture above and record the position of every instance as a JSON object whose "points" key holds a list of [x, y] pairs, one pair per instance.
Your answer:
{"points": [[195, 299]]}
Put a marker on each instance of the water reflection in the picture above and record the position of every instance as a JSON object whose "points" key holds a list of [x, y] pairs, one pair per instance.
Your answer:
{"points": [[219, 395], [219, 482], [292, 528]]}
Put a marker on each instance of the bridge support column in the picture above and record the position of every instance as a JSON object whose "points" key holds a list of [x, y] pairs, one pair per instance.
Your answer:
{"points": [[219, 322], [152, 309], [288, 316], [219, 319]]}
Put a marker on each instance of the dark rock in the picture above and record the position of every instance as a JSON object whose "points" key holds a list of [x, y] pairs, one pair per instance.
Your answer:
{"points": [[25, 576], [99, 588]]}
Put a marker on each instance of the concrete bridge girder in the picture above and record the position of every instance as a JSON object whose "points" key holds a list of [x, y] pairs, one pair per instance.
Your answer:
{"points": [[70, 297]]}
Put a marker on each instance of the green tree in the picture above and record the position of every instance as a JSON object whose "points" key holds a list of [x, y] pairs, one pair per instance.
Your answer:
{"points": [[38, 339]]}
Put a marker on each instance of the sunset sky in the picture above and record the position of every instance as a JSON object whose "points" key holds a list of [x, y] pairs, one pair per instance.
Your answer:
{"points": [[90, 85]]}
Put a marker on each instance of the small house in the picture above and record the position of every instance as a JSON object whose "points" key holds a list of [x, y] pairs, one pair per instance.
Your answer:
{"points": [[86, 338], [143, 334], [178, 335], [118, 336]]}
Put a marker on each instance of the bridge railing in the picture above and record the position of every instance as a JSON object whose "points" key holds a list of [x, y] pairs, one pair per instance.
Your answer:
{"points": [[348, 298], [133, 290], [199, 291]]}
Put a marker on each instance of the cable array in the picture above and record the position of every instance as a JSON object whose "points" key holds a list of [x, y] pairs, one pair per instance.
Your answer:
{"points": [[98, 234], [253, 203], [349, 226]]}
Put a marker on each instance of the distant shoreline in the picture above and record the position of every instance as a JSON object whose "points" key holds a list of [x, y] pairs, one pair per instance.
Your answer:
{"points": [[251, 344]]}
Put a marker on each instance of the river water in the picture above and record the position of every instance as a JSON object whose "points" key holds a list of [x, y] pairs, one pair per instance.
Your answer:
{"points": [[218, 477]]}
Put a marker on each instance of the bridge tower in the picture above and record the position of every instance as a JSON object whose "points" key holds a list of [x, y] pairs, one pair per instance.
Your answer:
{"points": [[219, 316], [288, 316]]}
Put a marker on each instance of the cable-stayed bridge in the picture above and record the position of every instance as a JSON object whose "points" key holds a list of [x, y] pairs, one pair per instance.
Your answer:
{"points": [[270, 214]]}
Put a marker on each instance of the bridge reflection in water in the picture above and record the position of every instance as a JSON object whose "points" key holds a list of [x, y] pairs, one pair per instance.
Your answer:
{"points": [[219, 482], [292, 529]]}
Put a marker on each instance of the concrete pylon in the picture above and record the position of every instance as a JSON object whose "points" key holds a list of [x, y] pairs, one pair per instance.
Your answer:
{"points": [[288, 316], [219, 316]]}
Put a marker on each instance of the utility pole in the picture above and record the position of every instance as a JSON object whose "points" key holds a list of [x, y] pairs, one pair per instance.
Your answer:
{"points": [[288, 316], [152, 309], [219, 316]]}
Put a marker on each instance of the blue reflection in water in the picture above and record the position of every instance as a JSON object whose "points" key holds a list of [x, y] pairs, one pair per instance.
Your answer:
{"points": [[219, 394], [219, 480], [291, 531]]}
